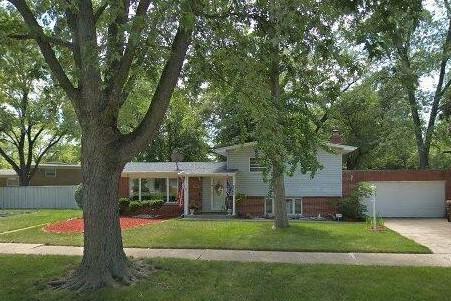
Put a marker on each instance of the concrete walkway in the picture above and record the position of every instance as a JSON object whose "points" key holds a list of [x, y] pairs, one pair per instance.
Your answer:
{"points": [[437, 260], [434, 233]]}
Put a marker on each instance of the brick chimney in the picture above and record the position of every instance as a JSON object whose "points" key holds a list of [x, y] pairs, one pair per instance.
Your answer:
{"points": [[336, 137]]}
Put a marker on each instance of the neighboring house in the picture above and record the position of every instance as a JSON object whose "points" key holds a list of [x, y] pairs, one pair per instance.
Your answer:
{"points": [[49, 174], [208, 186]]}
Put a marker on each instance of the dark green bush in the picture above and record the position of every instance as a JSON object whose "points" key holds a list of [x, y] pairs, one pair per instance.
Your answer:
{"points": [[124, 204], [79, 195], [135, 206], [149, 197], [156, 204], [353, 207]]}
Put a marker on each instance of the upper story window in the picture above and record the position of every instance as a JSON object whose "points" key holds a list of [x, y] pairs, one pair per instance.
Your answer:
{"points": [[254, 165], [50, 172]]}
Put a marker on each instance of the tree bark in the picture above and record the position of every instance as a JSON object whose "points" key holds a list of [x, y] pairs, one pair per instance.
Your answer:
{"points": [[280, 207], [104, 261]]}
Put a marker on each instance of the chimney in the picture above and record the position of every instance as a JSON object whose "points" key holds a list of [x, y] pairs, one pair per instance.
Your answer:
{"points": [[336, 137]]}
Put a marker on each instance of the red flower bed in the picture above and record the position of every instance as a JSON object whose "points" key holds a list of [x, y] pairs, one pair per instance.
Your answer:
{"points": [[76, 225]]}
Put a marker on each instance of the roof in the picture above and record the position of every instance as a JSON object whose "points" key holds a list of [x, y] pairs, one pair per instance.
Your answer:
{"points": [[193, 168], [344, 149], [7, 173]]}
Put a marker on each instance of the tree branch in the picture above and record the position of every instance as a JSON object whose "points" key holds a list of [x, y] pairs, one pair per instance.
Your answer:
{"points": [[9, 160], [49, 39], [121, 74], [144, 133], [98, 13], [55, 139], [37, 33]]}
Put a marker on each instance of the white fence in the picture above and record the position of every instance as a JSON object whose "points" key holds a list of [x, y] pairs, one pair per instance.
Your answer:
{"points": [[31, 197]]}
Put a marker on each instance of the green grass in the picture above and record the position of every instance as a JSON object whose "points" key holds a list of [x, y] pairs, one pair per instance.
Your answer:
{"points": [[18, 219], [301, 236], [26, 278]]}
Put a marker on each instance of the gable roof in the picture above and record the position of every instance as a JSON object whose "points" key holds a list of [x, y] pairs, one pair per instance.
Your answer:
{"points": [[344, 149], [193, 168]]}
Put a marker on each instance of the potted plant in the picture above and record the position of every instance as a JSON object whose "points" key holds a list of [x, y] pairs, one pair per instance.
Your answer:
{"points": [[192, 209]]}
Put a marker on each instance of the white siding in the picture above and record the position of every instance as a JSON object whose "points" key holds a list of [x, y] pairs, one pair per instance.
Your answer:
{"points": [[31, 197], [327, 181]]}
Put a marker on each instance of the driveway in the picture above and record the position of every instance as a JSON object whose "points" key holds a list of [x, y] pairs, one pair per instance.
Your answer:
{"points": [[433, 233]]}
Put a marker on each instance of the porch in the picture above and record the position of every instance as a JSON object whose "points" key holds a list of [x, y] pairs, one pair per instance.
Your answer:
{"points": [[187, 188]]}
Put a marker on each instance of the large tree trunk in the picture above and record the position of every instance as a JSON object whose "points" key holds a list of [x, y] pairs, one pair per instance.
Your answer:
{"points": [[104, 260], [280, 206]]}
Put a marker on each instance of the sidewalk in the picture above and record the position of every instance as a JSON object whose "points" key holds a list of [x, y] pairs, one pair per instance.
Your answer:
{"points": [[437, 260]]}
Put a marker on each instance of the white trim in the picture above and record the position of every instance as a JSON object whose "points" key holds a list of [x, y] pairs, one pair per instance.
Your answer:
{"points": [[140, 190], [234, 195], [186, 196]]}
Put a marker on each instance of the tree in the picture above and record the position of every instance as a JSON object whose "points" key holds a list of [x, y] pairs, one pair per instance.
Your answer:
{"points": [[276, 67], [91, 50], [34, 116], [417, 43], [375, 117], [183, 129]]}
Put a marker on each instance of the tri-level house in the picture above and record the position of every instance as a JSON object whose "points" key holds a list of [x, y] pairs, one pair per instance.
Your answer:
{"points": [[236, 185]]}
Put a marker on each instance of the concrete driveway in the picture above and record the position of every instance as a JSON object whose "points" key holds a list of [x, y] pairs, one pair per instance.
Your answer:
{"points": [[433, 233]]}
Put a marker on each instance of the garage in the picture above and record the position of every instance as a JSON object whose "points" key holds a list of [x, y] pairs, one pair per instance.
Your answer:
{"points": [[410, 199]]}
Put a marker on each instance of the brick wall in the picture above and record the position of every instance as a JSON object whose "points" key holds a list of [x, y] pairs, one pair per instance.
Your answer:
{"points": [[324, 206], [251, 206]]}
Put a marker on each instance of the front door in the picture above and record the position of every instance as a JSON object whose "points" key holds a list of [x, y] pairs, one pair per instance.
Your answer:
{"points": [[218, 191]]}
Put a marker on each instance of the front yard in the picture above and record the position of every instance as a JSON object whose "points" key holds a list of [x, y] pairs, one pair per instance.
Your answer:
{"points": [[253, 235], [26, 278]]}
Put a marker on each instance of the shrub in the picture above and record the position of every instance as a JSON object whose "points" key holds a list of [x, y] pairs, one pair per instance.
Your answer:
{"points": [[156, 204], [135, 206], [148, 197], [79, 195], [354, 206], [124, 204]]}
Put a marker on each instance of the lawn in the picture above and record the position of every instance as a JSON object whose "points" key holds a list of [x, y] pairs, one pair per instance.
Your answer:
{"points": [[18, 219], [26, 278], [252, 235]]}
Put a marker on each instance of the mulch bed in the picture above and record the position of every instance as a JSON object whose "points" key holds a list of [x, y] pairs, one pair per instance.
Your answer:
{"points": [[76, 225]]}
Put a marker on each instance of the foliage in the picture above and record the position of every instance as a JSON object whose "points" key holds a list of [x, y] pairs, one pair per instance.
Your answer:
{"points": [[124, 204], [79, 196], [353, 207], [134, 206], [35, 116], [380, 225]]}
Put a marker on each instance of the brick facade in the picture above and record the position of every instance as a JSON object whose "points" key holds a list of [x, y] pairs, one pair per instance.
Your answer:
{"points": [[251, 206], [324, 206]]}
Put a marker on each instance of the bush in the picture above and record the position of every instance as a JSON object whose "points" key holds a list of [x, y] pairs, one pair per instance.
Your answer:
{"points": [[124, 204], [148, 197], [156, 204], [354, 206], [79, 195], [135, 206]]}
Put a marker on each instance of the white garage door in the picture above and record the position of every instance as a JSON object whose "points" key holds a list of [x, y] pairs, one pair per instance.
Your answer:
{"points": [[410, 199]]}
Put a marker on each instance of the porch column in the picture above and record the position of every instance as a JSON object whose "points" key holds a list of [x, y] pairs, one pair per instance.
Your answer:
{"points": [[139, 193], [185, 196], [234, 195]]}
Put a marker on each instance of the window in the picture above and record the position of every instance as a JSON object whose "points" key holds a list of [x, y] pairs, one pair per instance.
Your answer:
{"points": [[155, 188], [254, 165], [173, 190], [50, 172], [294, 206], [12, 182]]}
